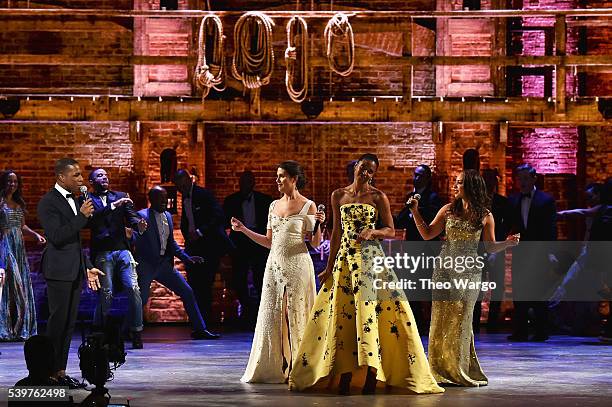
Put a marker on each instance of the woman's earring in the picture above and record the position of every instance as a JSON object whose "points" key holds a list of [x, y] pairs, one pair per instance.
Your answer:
{"points": [[370, 181]]}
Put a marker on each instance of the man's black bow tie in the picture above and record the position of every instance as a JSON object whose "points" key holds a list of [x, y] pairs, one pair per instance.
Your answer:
{"points": [[68, 196], [523, 196], [104, 193]]}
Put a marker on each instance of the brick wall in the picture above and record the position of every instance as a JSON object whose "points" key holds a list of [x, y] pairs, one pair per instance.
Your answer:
{"points": [[599, 42], [68, 37], [533, 42], [459, 37], [324, 152]]}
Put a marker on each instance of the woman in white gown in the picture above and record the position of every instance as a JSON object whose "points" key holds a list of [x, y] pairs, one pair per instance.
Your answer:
{"points": [[288, 285]]}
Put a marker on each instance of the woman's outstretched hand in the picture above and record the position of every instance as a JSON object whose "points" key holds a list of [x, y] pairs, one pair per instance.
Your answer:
{"points": [[237, 226]]}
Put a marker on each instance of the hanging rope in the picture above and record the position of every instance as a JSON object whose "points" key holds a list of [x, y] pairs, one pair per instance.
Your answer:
{"points": [[253, 60], [210, 74], [338, 27], [296, 26]]}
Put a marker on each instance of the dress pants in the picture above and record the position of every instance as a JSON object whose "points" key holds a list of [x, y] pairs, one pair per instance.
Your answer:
{"points": [[63, 298], [164, 273]]}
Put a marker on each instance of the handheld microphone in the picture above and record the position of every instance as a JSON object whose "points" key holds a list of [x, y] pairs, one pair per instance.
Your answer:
{"points": [[416, 197], [83, 190], [320, 208]]}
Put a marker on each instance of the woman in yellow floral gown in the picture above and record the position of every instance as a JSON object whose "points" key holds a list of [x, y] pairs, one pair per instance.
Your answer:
{"points": [[452, 355], [356, 333]]}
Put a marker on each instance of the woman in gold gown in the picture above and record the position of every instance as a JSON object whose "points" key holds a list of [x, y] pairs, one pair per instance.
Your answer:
{"points": [[452, 356], [357, 334]]}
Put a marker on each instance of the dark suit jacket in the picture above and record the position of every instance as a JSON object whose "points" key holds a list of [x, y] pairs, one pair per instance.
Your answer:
{"points": [[502, 214], [532, 278], [148, 244], [429, 205], [210, 221], [542, 220], [63, 257], [232, 206], [107, 226]]}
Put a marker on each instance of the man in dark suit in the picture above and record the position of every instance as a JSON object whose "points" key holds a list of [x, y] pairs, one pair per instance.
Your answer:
{"points": [[429, 205], [155, 252], [203, 227], [534, 217], [251, 208], [495, 266], [63, 263], [110, 250]]}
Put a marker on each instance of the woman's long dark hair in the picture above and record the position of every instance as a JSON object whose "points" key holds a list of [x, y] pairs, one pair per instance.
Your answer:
{"points": [[18, 195], [475, 193]]}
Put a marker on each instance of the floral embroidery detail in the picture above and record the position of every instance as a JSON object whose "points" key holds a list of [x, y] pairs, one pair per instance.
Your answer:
{"points": [[317, 314], [394, 329]]}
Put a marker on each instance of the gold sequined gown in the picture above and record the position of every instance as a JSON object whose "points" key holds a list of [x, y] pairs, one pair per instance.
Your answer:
{"points": [[353, 326], [452, 355]]}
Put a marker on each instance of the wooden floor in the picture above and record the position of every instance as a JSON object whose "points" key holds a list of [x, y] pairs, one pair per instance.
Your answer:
{"points": [[173, 370]]}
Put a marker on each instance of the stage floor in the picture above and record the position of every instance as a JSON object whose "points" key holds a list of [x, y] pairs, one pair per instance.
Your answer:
{"points": [[173, 370]]}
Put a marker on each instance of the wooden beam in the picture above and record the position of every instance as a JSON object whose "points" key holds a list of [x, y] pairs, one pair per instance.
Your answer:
{"points": [[534, 112], [560, 71], [407, 70], [386, 15], [363, 58]]}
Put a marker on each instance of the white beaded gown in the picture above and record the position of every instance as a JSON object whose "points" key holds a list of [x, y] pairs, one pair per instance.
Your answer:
{"points": [[286, 299]]}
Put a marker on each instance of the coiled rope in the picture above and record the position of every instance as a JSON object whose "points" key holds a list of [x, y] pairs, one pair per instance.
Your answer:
{"points": [[253, 60], [296, 26], [338, 27], [210, 74]]}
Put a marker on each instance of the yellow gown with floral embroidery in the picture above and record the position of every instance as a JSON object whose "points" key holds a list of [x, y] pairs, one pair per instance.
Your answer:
{"points": [[353, 326]]}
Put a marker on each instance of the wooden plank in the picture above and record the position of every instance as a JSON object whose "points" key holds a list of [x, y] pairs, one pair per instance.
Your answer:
{"points": [[386, 15], [560, 71], [407, 70], [535, 112], [120, 25], [363, 58]]}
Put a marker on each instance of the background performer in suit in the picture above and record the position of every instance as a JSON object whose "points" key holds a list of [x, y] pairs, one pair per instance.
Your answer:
{"points": [[63, 263], [110, 250], [203, 227], [429, 204], [251, 208], [534, 217], [155, 251]]}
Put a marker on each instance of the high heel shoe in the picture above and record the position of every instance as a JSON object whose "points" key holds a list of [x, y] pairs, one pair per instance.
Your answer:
{"points": [[369, 387], [344, 387]]}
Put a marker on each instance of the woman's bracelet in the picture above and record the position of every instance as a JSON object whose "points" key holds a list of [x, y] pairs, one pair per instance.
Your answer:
{"points": [[421, 224]]}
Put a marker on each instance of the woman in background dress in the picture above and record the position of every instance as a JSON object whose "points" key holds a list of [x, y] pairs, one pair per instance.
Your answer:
{"points": [[17, 304]]}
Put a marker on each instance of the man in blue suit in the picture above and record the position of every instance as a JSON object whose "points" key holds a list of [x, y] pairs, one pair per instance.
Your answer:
{"points": [[155, 252]]}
